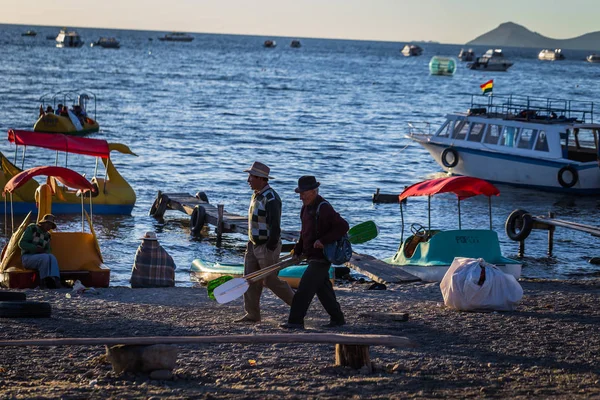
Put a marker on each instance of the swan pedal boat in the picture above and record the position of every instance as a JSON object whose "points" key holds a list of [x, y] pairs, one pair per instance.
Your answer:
{"points": [[428, 253], [205, 271], [115, 196], [78, 253]]}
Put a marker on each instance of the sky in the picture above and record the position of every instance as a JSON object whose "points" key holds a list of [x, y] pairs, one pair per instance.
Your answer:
{"points": [[445, 21]]}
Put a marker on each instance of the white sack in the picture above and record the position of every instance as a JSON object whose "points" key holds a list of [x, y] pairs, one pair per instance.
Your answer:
{"points": [[460, 289]]}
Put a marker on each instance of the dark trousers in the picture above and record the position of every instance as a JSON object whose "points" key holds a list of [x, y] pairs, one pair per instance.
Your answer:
{"points": [[315, 280]]}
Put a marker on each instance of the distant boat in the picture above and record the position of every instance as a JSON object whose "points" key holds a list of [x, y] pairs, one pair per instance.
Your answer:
{"points": [[107, 43], [410, 50], [176, 37], [466, 55], [295, 44], [593, 58], [551, 55], [29, 33], [270, 43], [492, 60], [67, 38]]}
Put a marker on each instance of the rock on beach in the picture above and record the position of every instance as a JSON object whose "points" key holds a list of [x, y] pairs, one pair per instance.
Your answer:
{"points": [[548, 347]]}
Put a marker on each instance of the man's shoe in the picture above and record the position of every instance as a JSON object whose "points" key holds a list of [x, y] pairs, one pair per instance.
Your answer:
{"points": [[247, 320], [334, 324], [289, 325]]}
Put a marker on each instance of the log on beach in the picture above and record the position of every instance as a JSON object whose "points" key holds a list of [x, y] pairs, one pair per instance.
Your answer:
{"points": [[547, 347]]}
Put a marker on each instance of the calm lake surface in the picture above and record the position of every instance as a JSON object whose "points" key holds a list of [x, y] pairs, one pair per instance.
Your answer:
{"points": [[197, 114]]}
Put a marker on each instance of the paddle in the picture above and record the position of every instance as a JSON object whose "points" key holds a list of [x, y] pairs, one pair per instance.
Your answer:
{"points": [[231, 289]]}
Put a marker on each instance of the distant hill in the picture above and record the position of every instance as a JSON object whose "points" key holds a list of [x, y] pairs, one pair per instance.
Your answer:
{"points": [[510, 34]]}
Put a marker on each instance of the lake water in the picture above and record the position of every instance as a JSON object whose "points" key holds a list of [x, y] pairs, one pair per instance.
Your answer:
{"points": [[197, 114]]}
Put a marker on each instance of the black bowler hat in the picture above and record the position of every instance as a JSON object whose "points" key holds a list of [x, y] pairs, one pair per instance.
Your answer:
{"points": [[306, 182]]}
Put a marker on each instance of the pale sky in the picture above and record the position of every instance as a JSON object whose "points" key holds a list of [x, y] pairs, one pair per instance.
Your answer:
{"points": [[445, 21]]}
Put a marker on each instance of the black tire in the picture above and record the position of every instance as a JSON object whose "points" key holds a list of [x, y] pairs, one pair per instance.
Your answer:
{"points": [[12, 296], [568, 183], [24, 309], [197, 220], [454, 157], [159, 207], [518, 225], [202, 196]]}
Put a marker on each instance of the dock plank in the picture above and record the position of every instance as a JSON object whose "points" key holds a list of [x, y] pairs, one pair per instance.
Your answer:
{"points": [[378, 270]]}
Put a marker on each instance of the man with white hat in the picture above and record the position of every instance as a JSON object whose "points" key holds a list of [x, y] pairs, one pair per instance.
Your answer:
{"points": [[264, 241], [36, 252], [153, 266]]}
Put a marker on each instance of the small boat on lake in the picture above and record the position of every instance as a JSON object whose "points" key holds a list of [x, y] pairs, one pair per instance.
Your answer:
{"points": [[593, 58], [537, 143], [68, 38], [270, 44], [492, 60], [106, 43], [205, 271], [551, 55], [428, 252], [77, 252], [115, 196], [29, 33], [176, 37], [295, 44], [56, 116], [411, 50], [466, 55]]}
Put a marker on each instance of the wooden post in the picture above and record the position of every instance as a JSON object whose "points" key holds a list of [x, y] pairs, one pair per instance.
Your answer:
{"points": [[220, 209], [354, 356], [521, 253], [550, 235]]}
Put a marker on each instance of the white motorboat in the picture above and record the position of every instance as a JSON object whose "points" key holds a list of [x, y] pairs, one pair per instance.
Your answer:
{"points": [[410, 50], [68, 38], [106, 43], [537, 143], [492, 60], [593, 58], [551, 55], [466, 55], [176, 37]]}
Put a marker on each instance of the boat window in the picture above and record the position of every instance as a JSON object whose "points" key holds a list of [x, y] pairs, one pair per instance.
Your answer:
{"points": [[476, 132], [542, 142], [493, 134], [446, 129], [585, 138], [509, 136], [527, 138], [460, 130]]}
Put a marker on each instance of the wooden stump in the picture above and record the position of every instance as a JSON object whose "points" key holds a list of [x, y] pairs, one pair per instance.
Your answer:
{"points": [[355, 356]]}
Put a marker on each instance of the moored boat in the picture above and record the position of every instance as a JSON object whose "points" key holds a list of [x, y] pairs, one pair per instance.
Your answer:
{"points": [[29, 33], [538, 143], [492, 60], [68, 38], [115, 196], [270, 44], [56, 116], [295, 44], [593, 58], [551, 55], [466, 55], [176, 37], [78, 253], [205, 271], [106, 43], [428, 252], [411, 50]]}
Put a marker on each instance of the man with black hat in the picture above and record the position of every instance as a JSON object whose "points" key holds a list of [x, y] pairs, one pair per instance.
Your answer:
{"points": [[36, 252], [321, 225], [264, 241]]}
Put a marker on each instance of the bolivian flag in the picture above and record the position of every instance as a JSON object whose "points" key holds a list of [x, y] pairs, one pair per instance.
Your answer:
{"points": [[487, 87]]}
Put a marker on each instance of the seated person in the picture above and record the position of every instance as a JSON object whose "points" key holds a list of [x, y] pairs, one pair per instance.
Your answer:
{"points": [[59, 108], [36, 253], [152, 266], [49, 110]]}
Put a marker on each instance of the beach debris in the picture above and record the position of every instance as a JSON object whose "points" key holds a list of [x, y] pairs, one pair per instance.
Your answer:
{"points": [[252, 363], [79, 288]]}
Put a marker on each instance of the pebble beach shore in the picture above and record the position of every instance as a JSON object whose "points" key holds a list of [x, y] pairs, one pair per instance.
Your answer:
{"points": [[549, 347]]}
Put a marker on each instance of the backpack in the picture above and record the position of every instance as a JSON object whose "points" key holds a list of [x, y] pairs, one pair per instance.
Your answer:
{"points": [[338, 252]]}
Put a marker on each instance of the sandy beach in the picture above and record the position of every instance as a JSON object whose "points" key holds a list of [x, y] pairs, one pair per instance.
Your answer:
{"points": [[548, 348]]}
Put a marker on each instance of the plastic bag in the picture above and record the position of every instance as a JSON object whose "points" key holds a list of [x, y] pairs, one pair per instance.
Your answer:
{"points": [[473, 284]]}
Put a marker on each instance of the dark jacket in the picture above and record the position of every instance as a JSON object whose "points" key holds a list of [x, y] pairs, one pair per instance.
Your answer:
{"points": [[331, 227]]}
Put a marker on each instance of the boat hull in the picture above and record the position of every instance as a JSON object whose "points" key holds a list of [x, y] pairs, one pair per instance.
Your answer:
{"points": [[204, 271], [51, 123], [496, 67], [517, 170]]}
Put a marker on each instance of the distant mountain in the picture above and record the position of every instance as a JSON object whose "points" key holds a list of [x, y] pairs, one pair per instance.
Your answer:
{"points": [[510, 34]]}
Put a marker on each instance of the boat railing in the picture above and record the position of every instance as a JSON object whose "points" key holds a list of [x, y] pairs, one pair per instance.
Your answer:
{"points": [[534, 108], [419, 128]]}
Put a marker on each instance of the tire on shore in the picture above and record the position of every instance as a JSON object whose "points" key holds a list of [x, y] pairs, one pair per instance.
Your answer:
{"points": [[24, 309], [12, 296]]}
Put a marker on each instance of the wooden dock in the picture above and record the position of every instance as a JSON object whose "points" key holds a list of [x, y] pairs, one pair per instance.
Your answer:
{"points": [[226, 222]]}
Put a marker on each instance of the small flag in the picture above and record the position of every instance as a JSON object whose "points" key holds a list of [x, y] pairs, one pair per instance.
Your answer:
{"points": [[487, 87]]}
